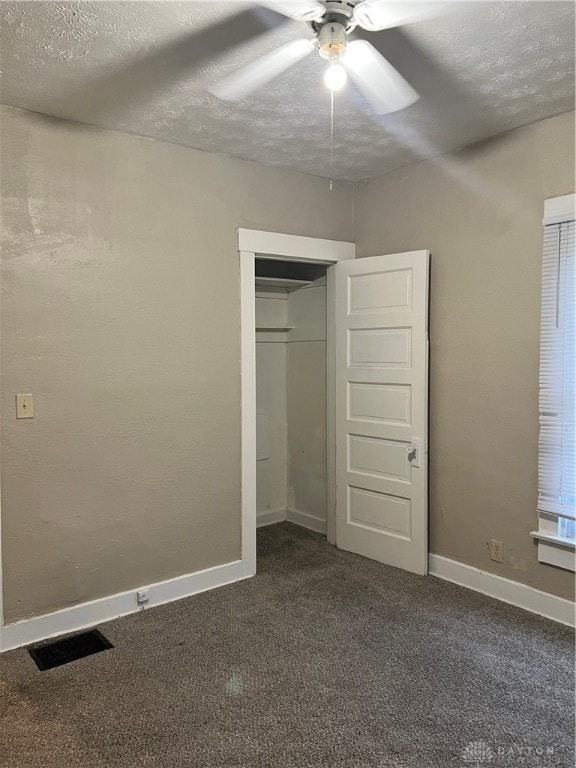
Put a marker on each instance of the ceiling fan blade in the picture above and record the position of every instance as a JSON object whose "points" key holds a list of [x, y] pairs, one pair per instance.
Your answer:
{"points": [[248, 79], [301, 10], [381, 85], [374, 15]]}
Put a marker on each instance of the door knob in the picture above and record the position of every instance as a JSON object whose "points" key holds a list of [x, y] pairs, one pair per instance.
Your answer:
{"points": [[413, 451]]}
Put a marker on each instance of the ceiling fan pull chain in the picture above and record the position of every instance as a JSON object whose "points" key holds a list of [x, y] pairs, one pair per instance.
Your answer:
{"points": [[331, 139]]}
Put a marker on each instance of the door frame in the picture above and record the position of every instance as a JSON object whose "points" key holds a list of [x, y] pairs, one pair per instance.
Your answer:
{"points": [[253, 244]]}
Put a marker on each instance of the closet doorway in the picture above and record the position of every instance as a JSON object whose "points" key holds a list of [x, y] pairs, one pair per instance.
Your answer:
{"points": [[291, 400], [364, 325]]}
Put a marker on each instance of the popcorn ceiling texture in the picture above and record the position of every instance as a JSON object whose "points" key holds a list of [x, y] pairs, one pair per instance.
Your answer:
{"points": [[143, 67]]}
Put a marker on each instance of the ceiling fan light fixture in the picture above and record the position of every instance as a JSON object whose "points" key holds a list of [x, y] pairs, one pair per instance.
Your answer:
{"points": [[335, 77], [332, 40]]}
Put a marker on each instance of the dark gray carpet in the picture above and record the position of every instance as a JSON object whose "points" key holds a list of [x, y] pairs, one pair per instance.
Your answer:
{"points": [[324, 660]]}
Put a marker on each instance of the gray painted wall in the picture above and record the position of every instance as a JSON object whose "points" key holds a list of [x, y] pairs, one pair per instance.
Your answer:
{"points": [[480, 212], [121, 313]]}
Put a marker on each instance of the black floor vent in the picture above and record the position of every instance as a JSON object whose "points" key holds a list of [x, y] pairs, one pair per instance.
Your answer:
{"points": [[70, 649]]}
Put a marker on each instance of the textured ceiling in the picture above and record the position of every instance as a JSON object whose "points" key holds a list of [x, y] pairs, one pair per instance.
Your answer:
{"points": [[143, 67]]}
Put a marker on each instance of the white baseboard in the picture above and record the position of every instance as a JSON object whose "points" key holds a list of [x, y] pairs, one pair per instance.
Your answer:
{"points": [[270, 517], [306, 520], [107, 608], [521, 595]]}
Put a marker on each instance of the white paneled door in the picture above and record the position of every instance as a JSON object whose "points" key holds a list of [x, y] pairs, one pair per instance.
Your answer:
{"points": [[381, 337]]}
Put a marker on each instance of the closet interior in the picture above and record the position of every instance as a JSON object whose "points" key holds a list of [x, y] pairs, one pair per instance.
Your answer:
{"points": [[291, 393]]}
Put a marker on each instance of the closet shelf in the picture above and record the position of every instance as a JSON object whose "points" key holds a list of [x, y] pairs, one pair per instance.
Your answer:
{"points": [[276, 329], [280, 282]]}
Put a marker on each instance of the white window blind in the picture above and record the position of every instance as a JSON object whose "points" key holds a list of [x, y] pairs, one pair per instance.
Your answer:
{"points": [[556, 450]]}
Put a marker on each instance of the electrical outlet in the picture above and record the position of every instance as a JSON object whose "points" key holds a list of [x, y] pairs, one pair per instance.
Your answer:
{"points": [[142, 596], [497, 550]]}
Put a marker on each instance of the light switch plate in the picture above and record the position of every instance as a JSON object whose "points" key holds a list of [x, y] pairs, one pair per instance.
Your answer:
{"points": [[24, 407]]}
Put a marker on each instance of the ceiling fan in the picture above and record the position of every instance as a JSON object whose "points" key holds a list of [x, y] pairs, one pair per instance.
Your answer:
{"points": [[331, 22]]}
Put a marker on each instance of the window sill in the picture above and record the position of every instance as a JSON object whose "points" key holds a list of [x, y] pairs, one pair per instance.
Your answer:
{"points": [[555, 550], [557, 540]]}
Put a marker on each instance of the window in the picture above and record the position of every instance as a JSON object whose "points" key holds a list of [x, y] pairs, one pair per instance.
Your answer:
{"points": [[556, 448]]}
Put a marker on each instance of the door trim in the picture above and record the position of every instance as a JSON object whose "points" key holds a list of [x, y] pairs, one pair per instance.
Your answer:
{"points": [[275, 245]]}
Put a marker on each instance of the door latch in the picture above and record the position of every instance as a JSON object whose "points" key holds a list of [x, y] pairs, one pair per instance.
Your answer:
{"points": [[414, 451]]}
